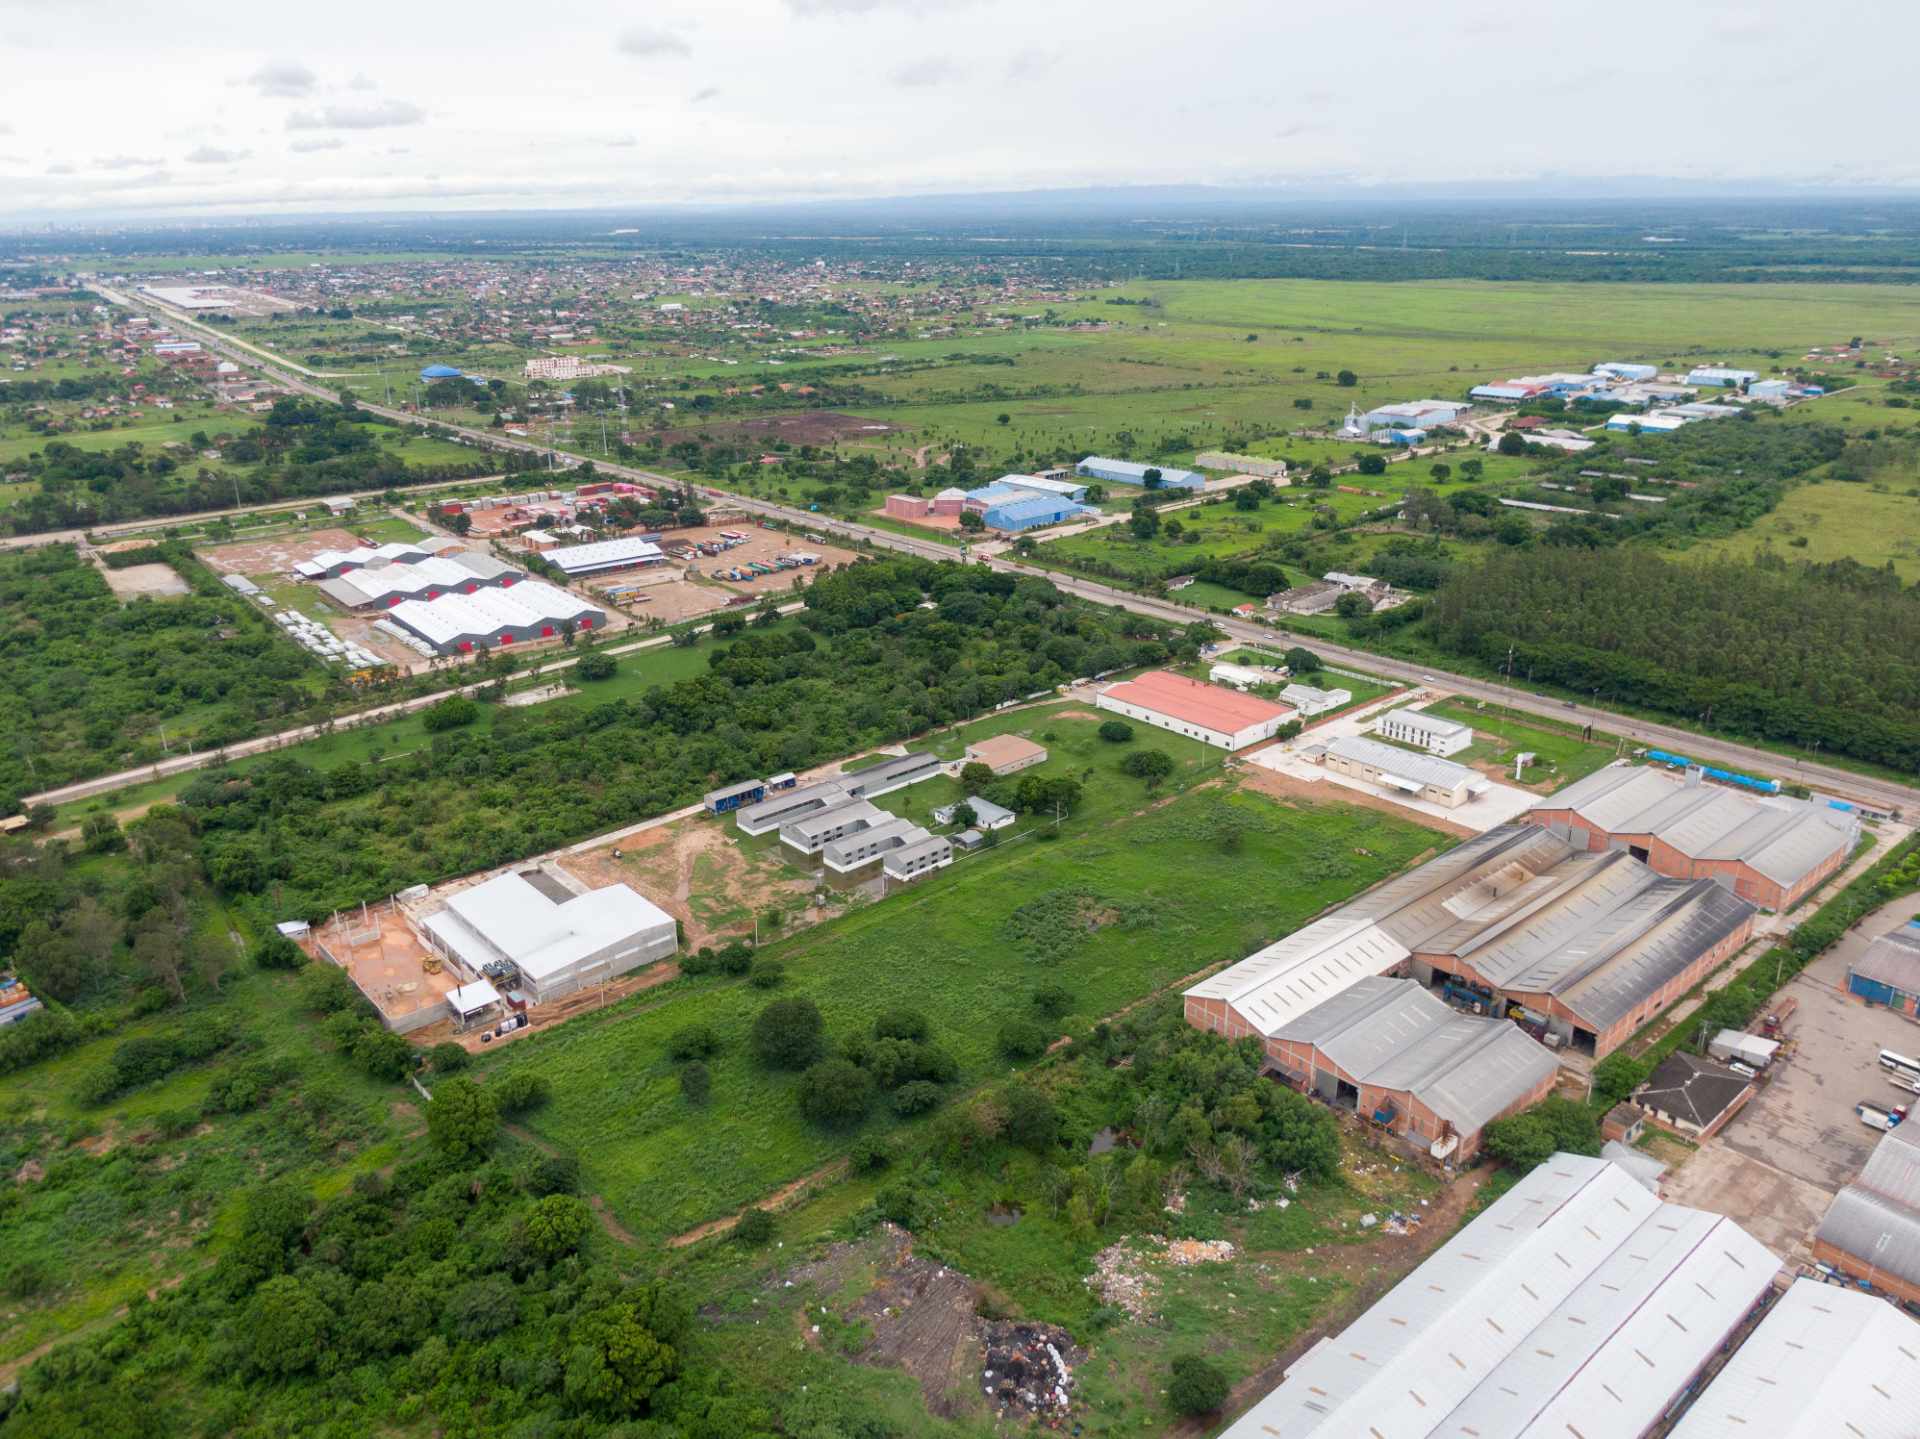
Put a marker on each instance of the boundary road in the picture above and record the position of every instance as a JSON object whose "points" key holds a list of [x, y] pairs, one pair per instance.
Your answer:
{"points": [[1879, 793]]}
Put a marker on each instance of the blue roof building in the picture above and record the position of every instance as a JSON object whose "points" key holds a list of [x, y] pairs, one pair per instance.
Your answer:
{"points": [[1132, 472], [1029, 512], [439, 372]]}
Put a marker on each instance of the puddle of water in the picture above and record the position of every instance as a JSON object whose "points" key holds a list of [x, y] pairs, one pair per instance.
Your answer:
{"points": [[1004, 1216], [1105, 1142]]}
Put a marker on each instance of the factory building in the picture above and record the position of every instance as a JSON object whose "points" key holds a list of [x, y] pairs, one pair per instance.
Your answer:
{"points": [[916, 861], [811, 833], [1625, 370], [535, 930], [1660, 422], [1220, 717], [1031, 512], [1390, 1050], [1132, 472], [1425, 731], [1420, 776], [1582, 949], [382, 585], [1888, 974], [331, 564], [604, 555], [729, 798], [857, 851], [1311, 701], [1502, 394], [1720, 378], [1771, 852], [1075, 490], [461, 623], [1413, 415], [1576, 1304], [792, 803], [1242, 464], [1825, 1363], [1872, 1230], [1006, 754]]}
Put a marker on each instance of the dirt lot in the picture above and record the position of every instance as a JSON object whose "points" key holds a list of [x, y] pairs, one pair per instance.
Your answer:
{"points": [[276, 556], [158, 582], [766, 546], [925, 522], [810, 427], [1285, 786], [695, 871], [667, 597]]}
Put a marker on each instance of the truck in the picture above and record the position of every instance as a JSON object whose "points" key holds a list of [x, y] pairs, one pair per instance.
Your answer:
{"points": [[1875, 1117]]}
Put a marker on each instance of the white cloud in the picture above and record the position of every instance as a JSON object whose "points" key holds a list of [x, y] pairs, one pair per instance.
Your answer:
{"points": [[625, 142], [809, 9], [60, 169], [925, 73], [704, 94], [215, 155], [283, 80], [651, 42], [124, 162], [307, 147], [360, 82], [383, 115]]}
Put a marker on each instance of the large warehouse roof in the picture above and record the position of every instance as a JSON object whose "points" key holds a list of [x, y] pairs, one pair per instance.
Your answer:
{"points": [[1826, 1363], [1782, 839], [372, 584], [528, 605], [1193, 702], [603, 555], [1577, 1303], [510, 918], [1418, 770], [1893, 959], [1521, 907], [1394, 1034], [1877, 1217], [326, 560]]}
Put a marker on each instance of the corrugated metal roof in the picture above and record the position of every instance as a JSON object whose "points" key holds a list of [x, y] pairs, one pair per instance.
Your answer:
{"points": [[1577, 1296], [1781, 839], [1423, 769], [1893, 959], [1826, 1363], [528, 605], [1877, 1217]]}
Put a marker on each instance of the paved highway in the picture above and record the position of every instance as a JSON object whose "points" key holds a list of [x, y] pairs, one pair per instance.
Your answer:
{"points": [[1726, 753]]}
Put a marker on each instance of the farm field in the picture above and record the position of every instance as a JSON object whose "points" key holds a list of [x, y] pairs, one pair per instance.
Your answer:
{"points": [[949, 947]]}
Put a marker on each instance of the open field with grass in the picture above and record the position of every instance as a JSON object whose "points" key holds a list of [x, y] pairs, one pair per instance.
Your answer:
{"points": [[943, 947], [1562, 755]]}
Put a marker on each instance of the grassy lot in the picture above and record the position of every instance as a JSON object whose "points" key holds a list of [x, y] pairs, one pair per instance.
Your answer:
{"points": [[1833, 520], [1563, 755], [942, 947]]}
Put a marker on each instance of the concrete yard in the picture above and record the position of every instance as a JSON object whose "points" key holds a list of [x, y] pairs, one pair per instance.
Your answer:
{"points": [[1775, 1207]]}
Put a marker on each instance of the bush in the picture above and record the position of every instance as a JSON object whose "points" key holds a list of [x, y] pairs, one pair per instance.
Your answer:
{"points": [[1116, 731], [836, 1093], [696, 1082], [1196, 1385], [916, 1096], [1022, 1039], [325, 989], [596, 665], [518, 1092], [462, 1120], [1528, 1139], [555, 1227], [869, 1152], [1151, 765], [1032, 1121], [908, 1024], [696, 1041], [1053, 1000], [701, 961], [789, 1034], [767, 974], [1618, 1075], [276, 951], [450, 713], [448, 1058], [754, 1229], [736, 958], [553, 1174]]}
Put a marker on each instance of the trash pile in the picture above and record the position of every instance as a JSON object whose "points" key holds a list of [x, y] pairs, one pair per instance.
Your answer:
{"points": [[1119, 1280], [1025, 1370], [1185, 1252]]}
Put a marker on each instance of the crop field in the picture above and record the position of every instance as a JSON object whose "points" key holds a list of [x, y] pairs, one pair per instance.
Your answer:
{"points": [[950, 948]]}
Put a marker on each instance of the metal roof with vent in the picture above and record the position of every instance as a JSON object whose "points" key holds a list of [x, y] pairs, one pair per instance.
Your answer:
{"points": [[1826, 1363], [1577, 1304]]}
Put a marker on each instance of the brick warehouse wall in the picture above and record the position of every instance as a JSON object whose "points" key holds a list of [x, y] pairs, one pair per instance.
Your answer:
{"points": [[1663, 858]]}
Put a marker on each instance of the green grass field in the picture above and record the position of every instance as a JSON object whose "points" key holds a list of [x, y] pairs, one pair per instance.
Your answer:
{"points": [[940, 947], [1563, 756]]}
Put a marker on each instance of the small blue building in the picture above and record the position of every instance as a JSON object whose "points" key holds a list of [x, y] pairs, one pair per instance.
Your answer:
{"points": [[1030, 512], [1889, 972], [1132, 472], [1398, 437], [729, 798], [439, 372]]}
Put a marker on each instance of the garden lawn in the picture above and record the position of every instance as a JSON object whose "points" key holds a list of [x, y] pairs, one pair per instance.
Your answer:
{"points": [[1198, 881]]}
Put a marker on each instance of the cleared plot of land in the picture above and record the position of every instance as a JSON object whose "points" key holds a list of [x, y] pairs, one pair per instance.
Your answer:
{"points": [[763, 547], [278, 555], [666, 598], [1834, 520], [954, 948], [697, 872], [145, 582]]}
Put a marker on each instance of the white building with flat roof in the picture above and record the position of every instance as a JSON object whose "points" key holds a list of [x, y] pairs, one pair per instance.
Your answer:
{"points": [[1431, 733]]}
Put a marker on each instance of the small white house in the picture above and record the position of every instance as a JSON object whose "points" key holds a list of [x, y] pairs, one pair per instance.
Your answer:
{"points": [[1425, 731], [1243, 676]]}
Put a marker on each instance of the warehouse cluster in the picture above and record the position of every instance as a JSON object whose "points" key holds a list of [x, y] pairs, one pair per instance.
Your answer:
{"points": [[835, 820], [1581, 1304]]}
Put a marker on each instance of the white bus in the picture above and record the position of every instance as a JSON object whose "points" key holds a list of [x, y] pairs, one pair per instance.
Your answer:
{"points": [[1900, 1066]]}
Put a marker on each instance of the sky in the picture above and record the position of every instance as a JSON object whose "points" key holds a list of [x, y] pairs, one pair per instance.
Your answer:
{"points": [[125, 108]]}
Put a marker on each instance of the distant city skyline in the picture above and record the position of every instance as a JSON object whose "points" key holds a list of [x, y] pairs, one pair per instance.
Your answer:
{"points": [[118, 109]]}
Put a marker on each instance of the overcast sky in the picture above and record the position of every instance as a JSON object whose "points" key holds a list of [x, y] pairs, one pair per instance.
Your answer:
{"points": [[130, 107]]}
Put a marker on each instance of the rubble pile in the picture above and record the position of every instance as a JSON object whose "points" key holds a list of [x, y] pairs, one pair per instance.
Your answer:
{"points": [[1025, 1370], [1198, 1251]]}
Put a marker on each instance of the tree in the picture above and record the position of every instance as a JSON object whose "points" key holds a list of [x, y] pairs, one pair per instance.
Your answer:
{"points": [[1151, 478], [286, 1326], [963, 815], [518, 1092], [1196, 1385], [450, 713], [1302, 661], [276, 951], [596, 665], [1618, 1075], [972, 522], [1472, 469], [789, 1034], [448, 1058], [696, 1082], [619, 1359], [900, 1023], [1346, 379], [1151, 765], [1003, 418], [1512, 442], [1320, 477], [1052, 1000], [1373, 464], [1115, 731], [1244, 499], [916, 1096], [836, 1093], [555, 1227], [100, 834], [483, 1307], [1144, 522], [1022, 1038], [695, 1041], [1031, 1119], [754, 1229], [975, 776], [1352, 605], [767, 974], [1441, 473], [462, 1119]]}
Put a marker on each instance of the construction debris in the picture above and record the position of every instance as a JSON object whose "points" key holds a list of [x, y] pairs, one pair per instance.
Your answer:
{"points": [[1119, 1280], [1026, 1370], [1198, 1251]]}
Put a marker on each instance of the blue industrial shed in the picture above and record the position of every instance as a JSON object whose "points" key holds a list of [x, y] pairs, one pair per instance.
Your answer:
{"points": [[1132, 472], [1889, 972], [440, 372], [1031, 511]]}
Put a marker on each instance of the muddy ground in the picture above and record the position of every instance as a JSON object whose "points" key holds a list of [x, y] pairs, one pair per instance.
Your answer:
{"points": [[695, 871]]}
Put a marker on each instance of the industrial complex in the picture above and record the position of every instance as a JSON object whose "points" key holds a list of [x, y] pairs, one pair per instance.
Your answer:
{"points": [[461, 623], [1224, 718]]}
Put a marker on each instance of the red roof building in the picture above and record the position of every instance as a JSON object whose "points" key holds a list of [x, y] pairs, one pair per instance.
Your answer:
{"points": [[1212, 714]]}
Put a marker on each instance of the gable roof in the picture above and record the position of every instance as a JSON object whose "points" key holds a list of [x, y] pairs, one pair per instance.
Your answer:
{"points": [[1691, 1088], [1213, 707]]}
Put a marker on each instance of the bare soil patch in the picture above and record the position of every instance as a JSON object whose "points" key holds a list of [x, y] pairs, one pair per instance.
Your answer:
{"points": [[923, 1319], [159, 582], [276, 556], [763, 547], [1277, 785], [671, 600], [695, 871]]}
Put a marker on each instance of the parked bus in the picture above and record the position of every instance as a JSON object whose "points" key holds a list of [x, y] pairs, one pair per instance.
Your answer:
{"points": [[1899, 1065]]}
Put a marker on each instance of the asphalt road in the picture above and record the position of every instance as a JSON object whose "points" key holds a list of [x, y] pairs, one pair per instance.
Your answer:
{"points": [[1726, 753]]}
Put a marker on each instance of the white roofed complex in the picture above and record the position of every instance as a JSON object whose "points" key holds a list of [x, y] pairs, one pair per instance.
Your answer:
{"points": [[529, 611], [604, 555], [1577, 1304]]}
